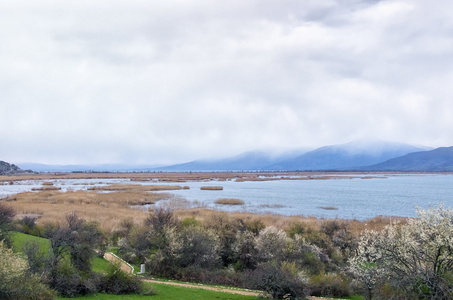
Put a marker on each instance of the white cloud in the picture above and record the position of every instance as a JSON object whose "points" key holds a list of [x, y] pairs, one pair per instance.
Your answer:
{"points": [[140, 81]]}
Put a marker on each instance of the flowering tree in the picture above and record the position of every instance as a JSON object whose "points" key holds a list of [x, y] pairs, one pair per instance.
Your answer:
{"points": [[271, 244], [415, 258], [15, 283]]}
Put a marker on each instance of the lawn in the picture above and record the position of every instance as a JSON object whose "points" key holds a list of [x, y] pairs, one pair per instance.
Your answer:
{"points": [[20, 239], [168, 292]]}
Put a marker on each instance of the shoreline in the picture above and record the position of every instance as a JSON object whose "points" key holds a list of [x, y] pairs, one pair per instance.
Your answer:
{"points": [[212, 175]]}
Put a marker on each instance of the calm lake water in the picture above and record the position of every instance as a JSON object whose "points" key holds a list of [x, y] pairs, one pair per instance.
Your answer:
{"points": [[352, 198]]}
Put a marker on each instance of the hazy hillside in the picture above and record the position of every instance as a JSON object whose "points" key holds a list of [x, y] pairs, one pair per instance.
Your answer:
{"points": [[346, 156], [86, 168], [255, 160], [9, 169], [356, 155], [440, 159]]}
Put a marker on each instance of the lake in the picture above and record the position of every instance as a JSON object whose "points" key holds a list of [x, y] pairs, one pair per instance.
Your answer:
{"points": [[393, 195]]}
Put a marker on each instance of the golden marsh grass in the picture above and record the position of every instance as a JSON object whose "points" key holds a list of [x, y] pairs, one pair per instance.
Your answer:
{"points": [[211, 188], [229, 201], [107, 208], [137, 187]]}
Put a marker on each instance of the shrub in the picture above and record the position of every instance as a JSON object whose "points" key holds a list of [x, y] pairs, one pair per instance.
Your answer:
{"points": [[70, 282], [6, 219], [226, 229], [329, 285], [246, 251], [299, 228], [15, 283], [254, 226], [199, 248], [187, 222], [279, 281], [37, 261], [118, 282], [271, 244]]}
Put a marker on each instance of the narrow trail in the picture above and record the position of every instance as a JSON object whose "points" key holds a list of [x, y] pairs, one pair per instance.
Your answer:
{"points": [[129, 269]]}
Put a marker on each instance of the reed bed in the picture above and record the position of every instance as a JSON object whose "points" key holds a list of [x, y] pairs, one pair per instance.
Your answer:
{"points": [[47, 188], [328, 207], [211, 188], [110, 204], [110, 208], [106, 208], [137, 187], [229, 201]]}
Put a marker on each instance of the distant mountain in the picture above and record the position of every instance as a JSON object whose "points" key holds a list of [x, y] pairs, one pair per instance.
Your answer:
{"points": [[249, 161], [440, 159], [357, 155], [87, 168], [348, 156], [9, 169]]}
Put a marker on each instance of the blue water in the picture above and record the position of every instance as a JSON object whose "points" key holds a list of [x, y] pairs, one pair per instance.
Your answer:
{"points": [[353, 198]]}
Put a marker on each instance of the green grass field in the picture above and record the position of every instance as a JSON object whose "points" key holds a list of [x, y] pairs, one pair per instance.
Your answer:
{"points": [[20, 239], [168, 292]]}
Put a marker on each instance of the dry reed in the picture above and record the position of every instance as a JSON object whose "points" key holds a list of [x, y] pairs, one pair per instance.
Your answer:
{"points": [[229, 201], [211, 188], [137, 187]]}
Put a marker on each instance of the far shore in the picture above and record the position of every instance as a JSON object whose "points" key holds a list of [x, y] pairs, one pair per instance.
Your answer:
{"points": [[219, 176]]}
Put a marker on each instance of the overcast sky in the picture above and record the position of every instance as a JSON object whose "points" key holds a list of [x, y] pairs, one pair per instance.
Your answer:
{"points": [[171, 81]]}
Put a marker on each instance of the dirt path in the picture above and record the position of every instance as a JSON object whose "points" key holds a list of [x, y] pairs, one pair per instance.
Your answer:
{"points": [[113, 258], [128, 269]]}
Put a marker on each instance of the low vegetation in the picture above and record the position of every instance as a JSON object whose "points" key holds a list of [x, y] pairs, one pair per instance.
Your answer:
{"points": [[137, 187], [211, 188], [229, 201]]}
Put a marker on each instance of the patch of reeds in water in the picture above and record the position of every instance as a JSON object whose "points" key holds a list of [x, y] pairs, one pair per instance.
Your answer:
{"points": [[328, 207], [138, 187], [229, 201], [211, 188]]}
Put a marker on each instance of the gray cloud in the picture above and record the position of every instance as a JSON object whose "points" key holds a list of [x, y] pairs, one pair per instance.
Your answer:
{"points": [[161, 82]]}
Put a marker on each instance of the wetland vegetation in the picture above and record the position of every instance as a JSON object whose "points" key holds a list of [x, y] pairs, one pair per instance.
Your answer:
{"points": [[283, 256]]}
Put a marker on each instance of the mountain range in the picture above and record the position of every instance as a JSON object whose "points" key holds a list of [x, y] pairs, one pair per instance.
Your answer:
{"points": [[440, 160], [360, 155]]}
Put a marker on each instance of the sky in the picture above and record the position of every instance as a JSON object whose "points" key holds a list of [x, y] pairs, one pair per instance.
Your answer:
{"points": [[161, 82]]}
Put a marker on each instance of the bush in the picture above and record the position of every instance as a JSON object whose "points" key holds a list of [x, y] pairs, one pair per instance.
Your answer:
{"points": [[199, 248], [271, 244], [329, 285], [70, 282], [254, 226], [16, 283], [6, 219], [246, 252], [279, 281], [118, 282]]}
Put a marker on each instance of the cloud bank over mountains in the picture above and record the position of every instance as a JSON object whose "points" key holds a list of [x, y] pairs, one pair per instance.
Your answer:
{"points": [[173, 81]]}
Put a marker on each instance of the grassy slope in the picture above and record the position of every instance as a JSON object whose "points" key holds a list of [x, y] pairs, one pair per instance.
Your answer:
{"points": [[168, 292], [19, 240], [164, 291]]}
